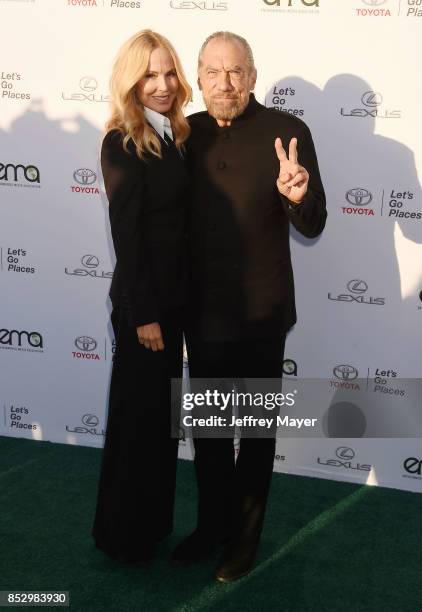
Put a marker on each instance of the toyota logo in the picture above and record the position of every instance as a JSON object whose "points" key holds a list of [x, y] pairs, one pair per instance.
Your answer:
{"points": [[90, 261], [344, 452], [374, 2], [345, 372], [88, 83], [84, 176], [85, 343], [358, 196], [357, 286], [371, 98], [90, 420]]}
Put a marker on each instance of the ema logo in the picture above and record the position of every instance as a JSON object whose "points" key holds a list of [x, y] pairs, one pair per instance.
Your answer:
{"points": [[85, 178], [18, 340], [373, 9], [88, 86], [291, 3], [12, 175], [292, 7], [358, 197], [357, 289], [90, 264], [372, 101]]}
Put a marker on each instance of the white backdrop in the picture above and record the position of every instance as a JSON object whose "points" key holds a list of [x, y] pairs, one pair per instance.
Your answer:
{"points": [[349, 68]]}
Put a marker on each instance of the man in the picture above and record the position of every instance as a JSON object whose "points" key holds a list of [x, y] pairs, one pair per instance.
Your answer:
{"points": [[246, 190]]}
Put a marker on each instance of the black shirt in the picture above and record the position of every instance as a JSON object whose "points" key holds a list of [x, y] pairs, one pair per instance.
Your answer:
{"points": [[147, 206], [241, 274]]}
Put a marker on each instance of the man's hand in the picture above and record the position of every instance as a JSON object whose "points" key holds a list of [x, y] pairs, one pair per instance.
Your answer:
{"points": [[150, 336], [293, 179]]}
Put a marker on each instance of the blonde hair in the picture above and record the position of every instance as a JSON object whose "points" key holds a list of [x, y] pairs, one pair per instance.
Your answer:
{"points": [[127, 113]]}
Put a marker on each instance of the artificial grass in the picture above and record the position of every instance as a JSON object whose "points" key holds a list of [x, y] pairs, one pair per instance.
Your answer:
{"points": [[326, 547]]}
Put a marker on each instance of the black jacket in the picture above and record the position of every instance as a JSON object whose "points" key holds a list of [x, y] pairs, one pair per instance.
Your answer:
{"points": [[241, 273], [147, 207]]}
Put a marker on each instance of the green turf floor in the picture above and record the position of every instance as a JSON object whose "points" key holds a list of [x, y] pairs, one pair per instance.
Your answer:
{"points": [[327, 546]]}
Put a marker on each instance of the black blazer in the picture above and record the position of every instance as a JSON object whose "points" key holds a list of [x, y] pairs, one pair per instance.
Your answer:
{"points": [[147, 208], [241, 273]]}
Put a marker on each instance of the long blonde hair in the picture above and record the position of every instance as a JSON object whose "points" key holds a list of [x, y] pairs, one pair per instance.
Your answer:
{"points": [[127, 113]]}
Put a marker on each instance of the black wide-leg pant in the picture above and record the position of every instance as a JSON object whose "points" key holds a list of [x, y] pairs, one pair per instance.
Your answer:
{"points": [[138, 473], [232, 495]]}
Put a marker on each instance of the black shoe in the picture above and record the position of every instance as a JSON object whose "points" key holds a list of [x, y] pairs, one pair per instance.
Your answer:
{"points": [[237, 561], [142, 557], [196, 547]]}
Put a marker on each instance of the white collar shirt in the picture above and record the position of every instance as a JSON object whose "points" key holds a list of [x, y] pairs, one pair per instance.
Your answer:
{"points": [[159, 122]]}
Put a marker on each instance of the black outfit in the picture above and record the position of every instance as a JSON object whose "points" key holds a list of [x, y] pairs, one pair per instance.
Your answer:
{"points": [[147, 207], [242, 291]]}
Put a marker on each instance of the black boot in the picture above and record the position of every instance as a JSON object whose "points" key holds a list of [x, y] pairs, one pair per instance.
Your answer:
{"points": [[198, 546], [239, 555]]}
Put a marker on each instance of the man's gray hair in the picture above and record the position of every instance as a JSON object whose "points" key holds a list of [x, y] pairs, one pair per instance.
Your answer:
{"points": [[230, 37]]}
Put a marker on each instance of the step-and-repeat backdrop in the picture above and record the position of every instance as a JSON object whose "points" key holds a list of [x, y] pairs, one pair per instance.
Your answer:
{"points": [[349, 68]]}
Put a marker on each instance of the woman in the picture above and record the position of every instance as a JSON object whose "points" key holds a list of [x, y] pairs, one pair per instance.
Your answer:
{"points": [[146, 184]]}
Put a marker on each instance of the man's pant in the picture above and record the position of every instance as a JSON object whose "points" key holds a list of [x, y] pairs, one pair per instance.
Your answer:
{"points": [[232, 494]]}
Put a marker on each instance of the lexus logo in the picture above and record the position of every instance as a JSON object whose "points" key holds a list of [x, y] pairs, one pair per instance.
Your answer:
{"points": [[90, 261], [84, 176], [344, 452], [345, 372], [371, 99], [374, 2], [358, 196], [90, 420], [357, 286], [413, 466], [88, 83], [85, 343]]}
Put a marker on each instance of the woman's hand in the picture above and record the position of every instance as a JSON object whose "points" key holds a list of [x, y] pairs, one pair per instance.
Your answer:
{"points": [[150, 336]]}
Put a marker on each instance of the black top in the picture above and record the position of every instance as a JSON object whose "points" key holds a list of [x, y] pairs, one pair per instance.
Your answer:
{"points": [[240, 255], [147, 206]]}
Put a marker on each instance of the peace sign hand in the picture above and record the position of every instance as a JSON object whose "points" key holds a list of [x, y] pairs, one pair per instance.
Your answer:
{"points": [[293, 179]]}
